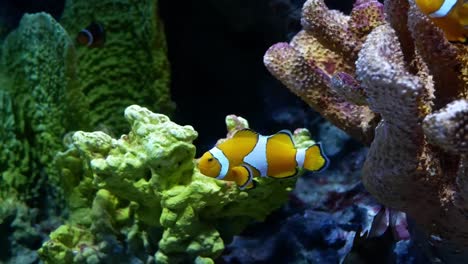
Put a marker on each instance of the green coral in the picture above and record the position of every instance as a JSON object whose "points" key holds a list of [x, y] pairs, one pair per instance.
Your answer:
{"points": [[49, 86], [18, 247], [147, 190], [130, 68], [11, 146], [40, 101]]}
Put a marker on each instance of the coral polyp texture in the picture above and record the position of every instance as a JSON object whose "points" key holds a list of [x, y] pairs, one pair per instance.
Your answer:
{"points": [[51, 85], [322, 56], [402, 71], [41, 101], [141, 198], [130, 67]]}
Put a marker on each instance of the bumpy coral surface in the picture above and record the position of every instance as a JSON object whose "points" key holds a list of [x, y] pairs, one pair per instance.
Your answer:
{"points": [[448, 128], [130, 67], [321, 57], [142, 193], [50, 85], [41, 101], [56, 85], [416, 81]]}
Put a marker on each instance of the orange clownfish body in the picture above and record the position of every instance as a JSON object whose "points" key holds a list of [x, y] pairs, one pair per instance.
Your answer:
{"points": [[92, 36], [449, 15], [248, 154]]}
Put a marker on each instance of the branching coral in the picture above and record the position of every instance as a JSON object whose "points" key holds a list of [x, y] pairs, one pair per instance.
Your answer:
{"points": [[416, 81], [322, 56], [144, 188]]}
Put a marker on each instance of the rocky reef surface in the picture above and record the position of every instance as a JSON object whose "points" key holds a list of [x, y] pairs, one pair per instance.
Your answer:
{"points": [[129, 191]]}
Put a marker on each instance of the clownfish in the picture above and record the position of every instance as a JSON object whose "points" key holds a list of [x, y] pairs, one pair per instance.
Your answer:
{"points": [[248, 154], [449, 15], [92, 36]]}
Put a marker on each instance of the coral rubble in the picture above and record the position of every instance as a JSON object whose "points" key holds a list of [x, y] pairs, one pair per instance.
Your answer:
{"points": [[129, 193], [411, 78]]}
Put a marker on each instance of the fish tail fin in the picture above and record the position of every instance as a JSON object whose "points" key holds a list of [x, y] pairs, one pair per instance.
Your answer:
{"points": [[315, 159]]}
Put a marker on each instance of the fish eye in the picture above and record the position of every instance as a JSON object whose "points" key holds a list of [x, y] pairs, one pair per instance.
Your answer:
{"points": [[210, 159]]}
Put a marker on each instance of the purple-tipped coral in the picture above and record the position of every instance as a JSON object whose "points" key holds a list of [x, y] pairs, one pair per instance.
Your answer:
{"points": [[322, 56], [404, 72]]}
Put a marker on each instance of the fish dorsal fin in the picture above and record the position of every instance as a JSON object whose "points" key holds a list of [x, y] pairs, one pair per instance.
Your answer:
{"points": [[246, 132], [284, 136]]}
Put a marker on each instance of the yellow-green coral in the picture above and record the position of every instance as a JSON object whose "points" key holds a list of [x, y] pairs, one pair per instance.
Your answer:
{"points": [[49, 86], [70, 237], [39, 102], [144, 189]]}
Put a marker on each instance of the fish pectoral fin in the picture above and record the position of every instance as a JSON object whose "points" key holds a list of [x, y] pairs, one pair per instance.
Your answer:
{"points": [[243, 177], [315, 159], [283, 136], [250, 185], [246, 132], [285, 174]]}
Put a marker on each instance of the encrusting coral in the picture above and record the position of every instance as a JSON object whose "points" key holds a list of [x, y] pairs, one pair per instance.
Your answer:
{"points": [[56, 85], [50, 85], [129, 193], [40, 102], [131, 67], [416, 81]]}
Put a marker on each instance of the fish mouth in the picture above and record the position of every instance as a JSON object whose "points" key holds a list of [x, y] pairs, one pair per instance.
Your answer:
{"points": [[197, 162], [203, 170]]}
